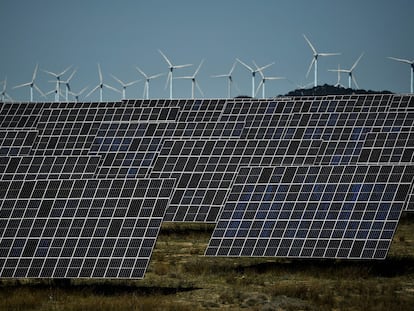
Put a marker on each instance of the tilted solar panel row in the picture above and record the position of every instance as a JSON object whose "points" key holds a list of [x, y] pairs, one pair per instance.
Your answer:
{"points": [[205, 169], [16, 141], [317, 211], [80, 228], [49, 167]]}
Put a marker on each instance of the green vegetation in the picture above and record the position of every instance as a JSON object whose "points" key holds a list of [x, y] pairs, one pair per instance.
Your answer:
{"points": [[181, 278]]}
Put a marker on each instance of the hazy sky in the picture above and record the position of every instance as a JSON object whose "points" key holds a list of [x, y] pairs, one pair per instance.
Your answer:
{"points": [[123, 34]]}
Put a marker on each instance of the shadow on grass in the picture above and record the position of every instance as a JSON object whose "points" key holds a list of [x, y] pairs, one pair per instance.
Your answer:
{"points": [[390, 267], [106, 288]]}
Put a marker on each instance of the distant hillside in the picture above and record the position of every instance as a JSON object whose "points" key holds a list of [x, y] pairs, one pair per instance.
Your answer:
{"points": [[331, 90]]}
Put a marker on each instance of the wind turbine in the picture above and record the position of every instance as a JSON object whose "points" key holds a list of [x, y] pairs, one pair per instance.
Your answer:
{"points": [[350, 72], [315, 60], [230, 79], [57, 76], [147, 81], [194, 83], [124, 85], [253, 72], [171, 68], [264, 79], [76, 95], [409, 62], [66, 83], [101, 85], [3, 95], [31, 84]]}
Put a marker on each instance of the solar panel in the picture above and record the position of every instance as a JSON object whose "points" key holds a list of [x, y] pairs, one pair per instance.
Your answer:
{"points": [[204, 170], [16, 141], [49, 167], [317, 211], [80, 228]]}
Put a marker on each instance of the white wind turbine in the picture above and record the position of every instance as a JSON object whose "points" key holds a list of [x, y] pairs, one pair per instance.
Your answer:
{"points": [[409, 62], [171, 68], [101, 85], [4, 95], [253, 72], [57, 76], [350, 72], [194, 83], [124, 85], [147, 81], [67, 85], [264, 79], [315, 60], [230, 79], [31, 84], [78, 94]]}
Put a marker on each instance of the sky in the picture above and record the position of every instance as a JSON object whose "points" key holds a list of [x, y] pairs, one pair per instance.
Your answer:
{"points": [[123, 34]]}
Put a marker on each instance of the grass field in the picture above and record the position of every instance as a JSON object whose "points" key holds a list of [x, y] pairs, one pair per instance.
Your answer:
{"points": [[181, 278]]}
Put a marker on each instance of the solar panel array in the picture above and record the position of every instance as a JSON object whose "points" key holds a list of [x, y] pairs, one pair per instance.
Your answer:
{"points": [[86, 186]]}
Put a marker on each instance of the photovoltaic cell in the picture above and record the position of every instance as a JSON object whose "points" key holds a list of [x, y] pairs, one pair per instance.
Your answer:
{"points": [[80, 228], [204, 170], [318, 211], [16, 141], [49, 167]]}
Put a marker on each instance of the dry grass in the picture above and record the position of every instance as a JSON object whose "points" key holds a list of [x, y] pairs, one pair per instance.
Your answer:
{"points": [[181, 278]]}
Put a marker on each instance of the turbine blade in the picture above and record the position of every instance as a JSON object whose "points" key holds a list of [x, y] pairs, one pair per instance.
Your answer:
{"points": [[166, 59], [93, 90], [100, 73], [199, 89], [50, 73], [356, 63], [35, 72], [111, 88], [275, 78], [132, 83], [141, 72], [64, 71], [71, 75], [198, 68], [219, 76], [258, 88], [329, 54], [157, 75], [182, 66], [310, 67], [116, 79], [355, 82], [264, 67], [168, 79], [310, 44], [22, 85], [245, 65], [401, 60], [37, 89], [185, 77], [232, 68]]}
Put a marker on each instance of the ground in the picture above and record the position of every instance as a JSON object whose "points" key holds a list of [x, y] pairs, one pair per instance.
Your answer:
{"points": [[179, 277]]}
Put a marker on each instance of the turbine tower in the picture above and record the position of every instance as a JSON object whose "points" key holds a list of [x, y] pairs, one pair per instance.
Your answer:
{"points": [[76, 95], [253, 72], [101, 85], [147, 81], [67, 85], [350, 72], [194, 83], [171, 68], [124, 85], [31, 84], [315, 60], [57, 76], [411, 63], [4, 95], [263, 81], [230, 79]]}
